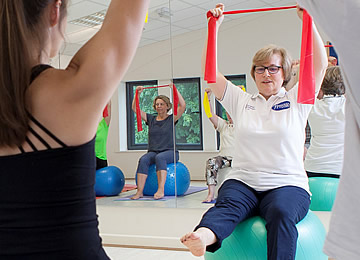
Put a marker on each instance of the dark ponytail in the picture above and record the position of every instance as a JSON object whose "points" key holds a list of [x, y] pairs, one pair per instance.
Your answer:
{"points": [[22, 29], [14, 73]]}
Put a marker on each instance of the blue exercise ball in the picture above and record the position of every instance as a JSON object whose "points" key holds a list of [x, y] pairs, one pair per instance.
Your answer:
{"points": [[109, 181], [323, 190], [248, 241], [182, 180]]}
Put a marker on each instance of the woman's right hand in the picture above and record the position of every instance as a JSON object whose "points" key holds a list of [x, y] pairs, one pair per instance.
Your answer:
{"points": [[140, 89], [218, 12], [208, 92]]}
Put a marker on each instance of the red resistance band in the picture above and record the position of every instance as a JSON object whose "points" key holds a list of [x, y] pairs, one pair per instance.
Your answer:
{"points": [[306, 51], [105, 112], [137, 104], [306, 90], [210, 65]]}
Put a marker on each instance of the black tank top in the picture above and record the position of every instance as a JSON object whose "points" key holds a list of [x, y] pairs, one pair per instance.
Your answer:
{"points": [[47, 203]]}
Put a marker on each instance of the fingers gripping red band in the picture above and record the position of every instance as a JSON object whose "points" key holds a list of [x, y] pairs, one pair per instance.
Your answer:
{"points": [[137, 104]]}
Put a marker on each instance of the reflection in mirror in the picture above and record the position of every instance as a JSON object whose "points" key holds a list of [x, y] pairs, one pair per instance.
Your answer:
{"points": [[151, 66]]}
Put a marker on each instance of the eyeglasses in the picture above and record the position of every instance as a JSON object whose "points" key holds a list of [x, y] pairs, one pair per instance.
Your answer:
{"points": [[271, 69]]}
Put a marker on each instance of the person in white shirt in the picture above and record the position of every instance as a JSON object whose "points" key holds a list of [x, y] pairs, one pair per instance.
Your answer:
{"points": [[340, 21], [224, 159], [324, 157], [270, 180]]}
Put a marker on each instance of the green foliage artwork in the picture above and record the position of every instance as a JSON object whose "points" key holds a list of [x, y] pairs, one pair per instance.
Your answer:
{"points": [[146, 103], [188, 126]]}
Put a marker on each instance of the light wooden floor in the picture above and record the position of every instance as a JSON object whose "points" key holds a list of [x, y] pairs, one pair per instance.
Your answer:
{"points": [[190, 201], [119, 253]]}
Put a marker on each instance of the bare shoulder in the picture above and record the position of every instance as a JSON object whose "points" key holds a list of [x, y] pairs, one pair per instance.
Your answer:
{"points": [[55, 100]]}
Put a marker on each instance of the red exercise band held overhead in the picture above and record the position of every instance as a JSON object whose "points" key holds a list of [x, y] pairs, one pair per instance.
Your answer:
{"points": [[137, 104], [260, 10], [306, 89], [306, 74]]}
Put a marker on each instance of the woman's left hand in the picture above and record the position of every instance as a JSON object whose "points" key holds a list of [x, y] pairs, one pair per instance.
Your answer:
{"points": [[218, 12], [299, 11]]}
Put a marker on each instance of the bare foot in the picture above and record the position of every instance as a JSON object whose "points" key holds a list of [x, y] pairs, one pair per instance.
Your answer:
{"points": [[137, 196], [209, 198], [195, 243], [211, 193], [158, 195]]}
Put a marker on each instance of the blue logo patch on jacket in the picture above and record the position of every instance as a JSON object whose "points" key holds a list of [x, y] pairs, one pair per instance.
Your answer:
{"points": [[281, 106]]}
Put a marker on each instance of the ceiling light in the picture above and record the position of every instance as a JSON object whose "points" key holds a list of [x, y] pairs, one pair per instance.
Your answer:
{"points": [[90, 20], [164, 12]]}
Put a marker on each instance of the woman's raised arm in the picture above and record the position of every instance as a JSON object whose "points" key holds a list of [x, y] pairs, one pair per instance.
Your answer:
{"points": [[217, 88]]}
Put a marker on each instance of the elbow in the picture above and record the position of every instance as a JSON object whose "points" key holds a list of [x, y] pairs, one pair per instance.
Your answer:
{"points": [[182, 104], [324, 65], [183, 108], [322, 71]]}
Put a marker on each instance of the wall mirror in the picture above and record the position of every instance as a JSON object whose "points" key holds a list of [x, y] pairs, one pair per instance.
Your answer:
{"points": [[151, 67], [170, 51]]}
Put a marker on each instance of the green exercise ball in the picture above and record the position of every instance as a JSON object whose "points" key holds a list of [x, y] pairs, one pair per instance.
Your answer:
{"points": [[323, 190], [248, 241]]}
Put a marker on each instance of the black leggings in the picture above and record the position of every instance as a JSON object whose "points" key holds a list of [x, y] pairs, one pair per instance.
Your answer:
{"points": [[100, 163], [315, 174]]}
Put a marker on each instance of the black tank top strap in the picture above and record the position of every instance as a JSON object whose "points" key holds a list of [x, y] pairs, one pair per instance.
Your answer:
{"points": [[46, 131], [31, 144], [35, 71], [21, 149], [40, 138]]}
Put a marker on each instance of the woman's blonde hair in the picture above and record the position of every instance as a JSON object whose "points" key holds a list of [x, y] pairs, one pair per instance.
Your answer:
{"points": [[264, 54], [165, 99]]}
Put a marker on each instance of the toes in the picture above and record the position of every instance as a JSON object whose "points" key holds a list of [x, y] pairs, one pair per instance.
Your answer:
{"points": [[158, 196]]}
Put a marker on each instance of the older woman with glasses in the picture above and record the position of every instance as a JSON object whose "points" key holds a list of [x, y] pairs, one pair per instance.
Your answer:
{"points": [[269, 178]]}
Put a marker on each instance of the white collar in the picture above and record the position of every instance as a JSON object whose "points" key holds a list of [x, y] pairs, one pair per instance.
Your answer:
{"points": [[281, 93]]}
